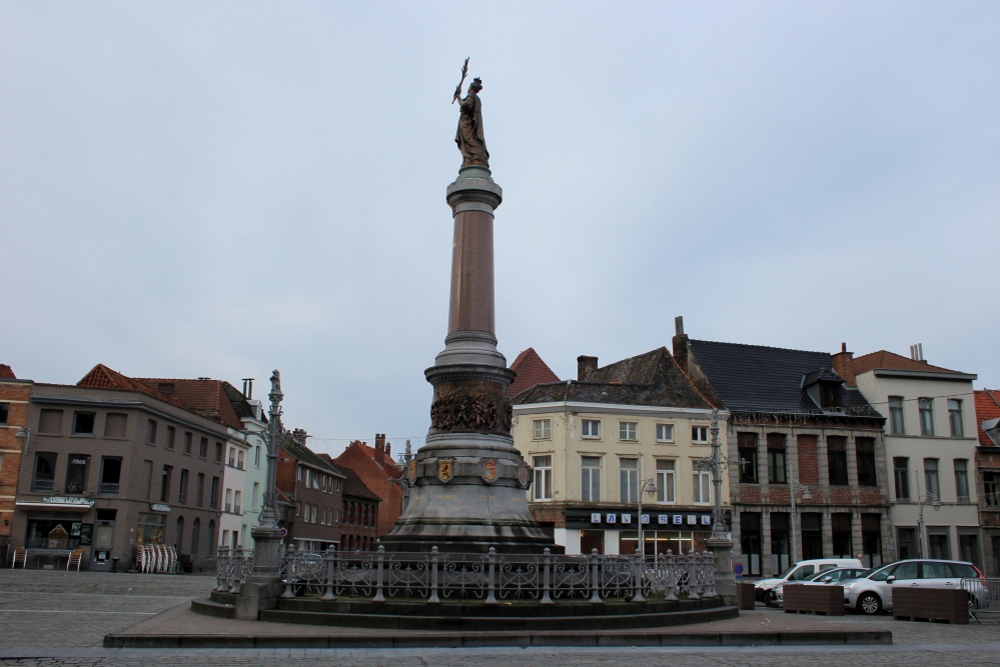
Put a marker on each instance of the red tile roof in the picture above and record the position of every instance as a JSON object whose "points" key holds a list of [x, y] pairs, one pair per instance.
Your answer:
{"points": [[891, 361], [531, 370], [207, 398], [102, 377], [6, 373], [987, 407]]}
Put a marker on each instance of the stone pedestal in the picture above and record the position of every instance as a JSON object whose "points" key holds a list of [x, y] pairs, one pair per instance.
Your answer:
{"points": [[261, 591], [468, 483], [725, 581]]}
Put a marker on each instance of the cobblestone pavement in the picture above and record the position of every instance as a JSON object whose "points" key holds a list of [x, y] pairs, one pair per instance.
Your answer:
{"points": [[60, 618]]}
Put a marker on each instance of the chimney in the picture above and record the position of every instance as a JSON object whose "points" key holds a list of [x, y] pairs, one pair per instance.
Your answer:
{"points": [[380, 449], [300, 436], [166, 388], [680, 343], [843, 363], [248, 388], [585, 366], [917, 353], [388, 450]]}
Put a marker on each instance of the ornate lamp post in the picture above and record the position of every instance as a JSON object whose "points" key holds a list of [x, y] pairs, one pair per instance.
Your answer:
{"points": [[261, 591], [719, 543], [644, 486], [931, 499], [792, 483]]}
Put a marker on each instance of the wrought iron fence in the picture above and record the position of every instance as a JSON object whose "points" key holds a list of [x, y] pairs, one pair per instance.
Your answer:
{"points": [[492, 578], [235, 565], [984, 596]]}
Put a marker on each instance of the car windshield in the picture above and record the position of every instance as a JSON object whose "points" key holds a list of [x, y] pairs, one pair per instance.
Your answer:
{"points": [[784, 575]]}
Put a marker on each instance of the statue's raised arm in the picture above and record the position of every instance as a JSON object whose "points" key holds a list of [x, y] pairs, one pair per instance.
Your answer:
{"points": [[469, 137]]}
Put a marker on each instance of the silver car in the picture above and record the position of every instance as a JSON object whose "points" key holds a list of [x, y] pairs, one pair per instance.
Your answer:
{"points": [[872, 592], [824, 578]]}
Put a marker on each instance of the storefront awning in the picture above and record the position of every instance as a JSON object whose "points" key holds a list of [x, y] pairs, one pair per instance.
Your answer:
{"points": [[65, 503]]}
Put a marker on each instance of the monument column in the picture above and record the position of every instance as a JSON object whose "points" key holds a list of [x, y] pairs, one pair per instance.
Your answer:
{"points": [[468, 482]]}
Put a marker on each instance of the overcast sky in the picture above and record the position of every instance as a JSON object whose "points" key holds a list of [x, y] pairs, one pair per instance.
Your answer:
{"points": [[220, 189]]}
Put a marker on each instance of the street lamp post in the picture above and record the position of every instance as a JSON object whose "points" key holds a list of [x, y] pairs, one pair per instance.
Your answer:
{"points": [[792, 482], [923, 499], [719, 543], [261, 591], [644, 486]]}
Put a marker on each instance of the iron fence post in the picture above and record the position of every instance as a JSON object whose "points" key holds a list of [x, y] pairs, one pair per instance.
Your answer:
{"points": [[331, 565], [434, 576], [379, 572], [595, 578], [546, 576], [491, 576]]}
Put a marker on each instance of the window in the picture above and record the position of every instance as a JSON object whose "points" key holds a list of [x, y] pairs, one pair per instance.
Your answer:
{"points": [[836, 457], [901, 473], [50, 422], [776, 472], [750, 541], [871, 540], [896, 426], [213, 498], [171, 436], [239, 459], [628, 480], [201, 489], [665, 492], [237, 502], [664, 432], [188, 439], [962, 480], [542, 429], [151, 431], [148, 468], [955, 417], [926, 416], [843, 546], [812, 535], [256, 456], [746, 444], [590, 467], [701, 487], [591, 428], [4, 412], [628, 430], [228, 507], [780, 547], [865, 451], [182, 491], [111, 473], [256, 496], [931, 477], [83, 423], [114, 425], [203, 448], [165, 484], [76, 473], [44, 478], [232, 457], [218, 452], [699, 435], [298, 474], [542, 488]]}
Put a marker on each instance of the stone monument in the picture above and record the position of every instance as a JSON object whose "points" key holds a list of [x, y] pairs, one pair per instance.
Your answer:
{"points": [[468, 483]]}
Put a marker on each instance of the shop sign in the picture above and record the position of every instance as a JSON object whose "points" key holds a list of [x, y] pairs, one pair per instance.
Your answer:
{"points": [[626, 518], [692, 520], [159, 507], [644, 518], [663, 519], [68, 500], [595, 517], [678, 519], [85, 531], [706, 520], [611, 518]]}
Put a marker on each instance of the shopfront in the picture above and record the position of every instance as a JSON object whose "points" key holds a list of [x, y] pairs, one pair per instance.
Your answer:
{"points": [[55, 527], [612, 531]]}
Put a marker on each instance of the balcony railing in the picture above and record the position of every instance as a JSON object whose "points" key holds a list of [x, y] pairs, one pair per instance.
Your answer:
{"points": [[991, 499], [236, 509], [229, 507], [108, 489]]}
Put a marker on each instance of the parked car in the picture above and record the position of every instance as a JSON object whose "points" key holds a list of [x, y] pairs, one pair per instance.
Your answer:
{"points": [[823, 578], [872, 592], [764, 589]]}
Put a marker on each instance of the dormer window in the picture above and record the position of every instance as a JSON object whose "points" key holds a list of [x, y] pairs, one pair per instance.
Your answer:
{"points": [[829, 396], [825, 388]]}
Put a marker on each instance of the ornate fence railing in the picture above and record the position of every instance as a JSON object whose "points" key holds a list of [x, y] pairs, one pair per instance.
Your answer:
{"points": [[493, 578], [235, 565]]}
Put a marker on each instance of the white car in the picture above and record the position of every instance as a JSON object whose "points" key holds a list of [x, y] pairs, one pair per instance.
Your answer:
{"points": [[822, 578], [764, 589], [872, 593]]}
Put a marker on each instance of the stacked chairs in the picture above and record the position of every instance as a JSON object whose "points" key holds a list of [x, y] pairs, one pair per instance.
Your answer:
{"points": [[155, 558]]}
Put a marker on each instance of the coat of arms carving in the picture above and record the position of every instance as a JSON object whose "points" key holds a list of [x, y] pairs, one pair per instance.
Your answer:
{"points": [[446, 469]]}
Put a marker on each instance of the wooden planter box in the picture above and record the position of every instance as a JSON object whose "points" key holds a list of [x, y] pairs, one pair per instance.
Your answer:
{"points": [[932, 604], [827, 600], [745, 594]]}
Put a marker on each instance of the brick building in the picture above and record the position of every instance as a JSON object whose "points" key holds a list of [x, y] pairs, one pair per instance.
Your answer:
{"points": [[988, 475], [530, 370], [380, 474], [795, 427], [310, 494], [359, 520], [14, 395]]}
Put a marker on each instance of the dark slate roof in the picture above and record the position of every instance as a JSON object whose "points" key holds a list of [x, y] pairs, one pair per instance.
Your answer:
{"points": [[821, 375], [653, 378], [357, 488], [306, 455], [754, 378]]}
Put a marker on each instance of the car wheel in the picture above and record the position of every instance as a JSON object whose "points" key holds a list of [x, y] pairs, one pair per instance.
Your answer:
{"points": [[770, 599], [870, 604]]}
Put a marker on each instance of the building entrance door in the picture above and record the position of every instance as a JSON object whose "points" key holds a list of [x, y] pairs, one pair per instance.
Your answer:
{"points": [[100, 551]]}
